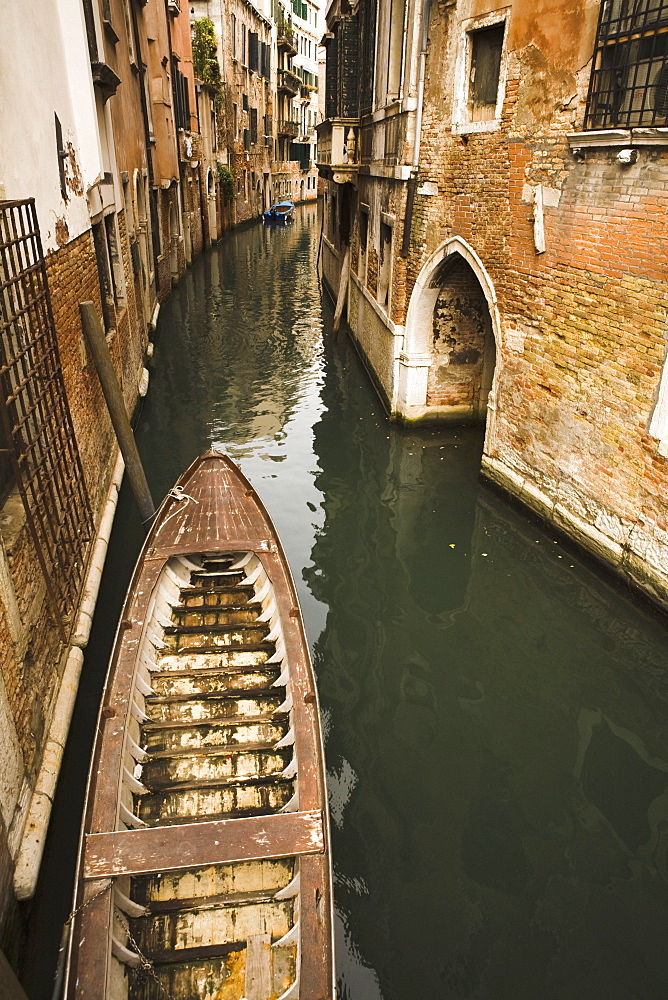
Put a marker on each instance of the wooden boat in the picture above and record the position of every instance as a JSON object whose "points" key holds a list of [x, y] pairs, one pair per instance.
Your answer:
{"points": [[281, 212], [204, 868]]}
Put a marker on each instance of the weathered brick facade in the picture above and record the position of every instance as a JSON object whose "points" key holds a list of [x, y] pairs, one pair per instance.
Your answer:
{"points": [[562, 241]]}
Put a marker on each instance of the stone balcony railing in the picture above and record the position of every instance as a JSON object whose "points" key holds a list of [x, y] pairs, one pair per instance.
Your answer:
{"points": [[288, 82], [338, 148], [288, 127]]}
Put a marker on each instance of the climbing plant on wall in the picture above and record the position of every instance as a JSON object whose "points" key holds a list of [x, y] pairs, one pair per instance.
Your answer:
{"points": [[205, 61], [226, 181]]}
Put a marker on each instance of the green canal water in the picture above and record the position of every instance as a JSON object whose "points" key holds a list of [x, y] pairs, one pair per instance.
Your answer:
{"points": [[494, 707]]}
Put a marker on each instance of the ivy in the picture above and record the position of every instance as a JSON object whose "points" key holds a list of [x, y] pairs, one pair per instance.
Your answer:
{"points": [[226, 181], [205, 61]]}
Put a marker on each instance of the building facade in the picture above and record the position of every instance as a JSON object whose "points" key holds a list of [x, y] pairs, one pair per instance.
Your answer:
{"points": [[100, 201], [267, 61], [492, 183]]}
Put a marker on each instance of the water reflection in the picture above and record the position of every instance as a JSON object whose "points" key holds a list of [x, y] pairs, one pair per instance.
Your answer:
{"points": [[497, 739], [495, 711]]}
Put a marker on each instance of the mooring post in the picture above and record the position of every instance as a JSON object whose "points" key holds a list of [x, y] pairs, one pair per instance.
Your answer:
{"points": [[343, 289], [116, 405]]}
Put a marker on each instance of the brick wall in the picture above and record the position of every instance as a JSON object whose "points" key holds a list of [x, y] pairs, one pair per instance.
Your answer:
{"points": [[580, 329]]}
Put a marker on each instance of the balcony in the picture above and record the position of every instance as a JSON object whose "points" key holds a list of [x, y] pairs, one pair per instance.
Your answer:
{"points": [[286, 39], [338, 148], [288, 82], [288, 128]]}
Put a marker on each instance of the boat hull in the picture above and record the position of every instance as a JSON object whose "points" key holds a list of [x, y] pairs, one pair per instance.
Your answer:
{"points": [[204, 867]]}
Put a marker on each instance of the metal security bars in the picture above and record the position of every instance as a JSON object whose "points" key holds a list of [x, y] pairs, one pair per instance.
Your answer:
{"points": [[629, 81], [37, 426]]}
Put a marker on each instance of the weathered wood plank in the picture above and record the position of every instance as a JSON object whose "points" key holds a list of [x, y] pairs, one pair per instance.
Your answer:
{"points": [[195, 845], [259, 976]]}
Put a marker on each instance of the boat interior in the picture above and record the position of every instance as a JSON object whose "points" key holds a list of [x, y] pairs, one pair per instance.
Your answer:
{"points": [[209, 737]]}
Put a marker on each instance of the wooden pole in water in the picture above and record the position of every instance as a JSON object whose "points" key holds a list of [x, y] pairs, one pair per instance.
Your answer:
{"points": [[116, 405], [343, 288]]}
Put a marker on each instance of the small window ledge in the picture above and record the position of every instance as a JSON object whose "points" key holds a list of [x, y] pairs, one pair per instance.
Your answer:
{"points": [[619, 137], [470, 128]]}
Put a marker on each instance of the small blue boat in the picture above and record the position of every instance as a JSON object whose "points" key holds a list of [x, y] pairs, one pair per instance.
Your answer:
{"points": [[281, 212]]}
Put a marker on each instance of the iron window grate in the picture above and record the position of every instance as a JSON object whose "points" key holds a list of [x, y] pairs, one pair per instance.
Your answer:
{"points": [[35, 415], [629, 80]]}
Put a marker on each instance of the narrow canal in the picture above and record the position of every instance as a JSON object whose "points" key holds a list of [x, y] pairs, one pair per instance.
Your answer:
{"points": [[495, 708]]}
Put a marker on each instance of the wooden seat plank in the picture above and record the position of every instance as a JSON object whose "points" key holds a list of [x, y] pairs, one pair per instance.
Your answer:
{"points": [[195, 845]]}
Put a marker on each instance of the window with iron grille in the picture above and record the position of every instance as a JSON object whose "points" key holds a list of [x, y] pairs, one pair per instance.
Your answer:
{"points": [[39, 447], [629, 81], [253, 125]]}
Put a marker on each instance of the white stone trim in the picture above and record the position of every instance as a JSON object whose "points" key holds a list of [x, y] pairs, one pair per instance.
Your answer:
{"points": [[658, 425], [410, 394], [619, 137], [461, 121]]}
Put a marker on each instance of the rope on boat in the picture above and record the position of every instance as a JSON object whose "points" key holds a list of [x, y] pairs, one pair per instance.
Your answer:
{"points": [[178, 494]]}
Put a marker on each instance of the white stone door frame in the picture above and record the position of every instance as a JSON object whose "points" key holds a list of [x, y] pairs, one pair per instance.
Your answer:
{"points": [[414, 361]]}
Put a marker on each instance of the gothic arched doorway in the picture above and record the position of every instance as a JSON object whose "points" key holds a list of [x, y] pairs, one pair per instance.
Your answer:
{"points": [[462, 343]]}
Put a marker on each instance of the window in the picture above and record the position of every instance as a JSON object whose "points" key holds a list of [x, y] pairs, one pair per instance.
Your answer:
{"points": [[253, 51], [253, 125], [235, 121], [364, 239], [629, 81], [485, 72], [384, 264], [233, 33], [244, 32], [62, 156]]}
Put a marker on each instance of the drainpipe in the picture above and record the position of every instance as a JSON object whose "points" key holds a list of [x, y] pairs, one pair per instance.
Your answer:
{"points": [[30, 853], [412, 181]]}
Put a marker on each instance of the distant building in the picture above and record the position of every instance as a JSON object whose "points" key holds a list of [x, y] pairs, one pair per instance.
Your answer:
{"points": [[493, 181], [100, 201], [267, 54], [307, 29]]}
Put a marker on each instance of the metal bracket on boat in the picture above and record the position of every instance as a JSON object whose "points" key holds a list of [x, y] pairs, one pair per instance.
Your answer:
{"points": [[134, 784], [143, 686], [291, 770], [130, 819], [276, 632], [280, 651], [293, 804], [292, 937], [128, 906], [240, 563], [290, 890], [135, 750], [269, 612], [253, 575], [285, 706], [287, 741], [124, 954], [138, 713], [284, 677]]}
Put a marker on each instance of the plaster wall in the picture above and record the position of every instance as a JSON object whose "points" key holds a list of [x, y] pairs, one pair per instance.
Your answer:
{"points": [[46, 45]]}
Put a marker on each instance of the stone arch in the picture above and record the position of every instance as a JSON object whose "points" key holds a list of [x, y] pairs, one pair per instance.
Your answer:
{"points": [[449, 364]]}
